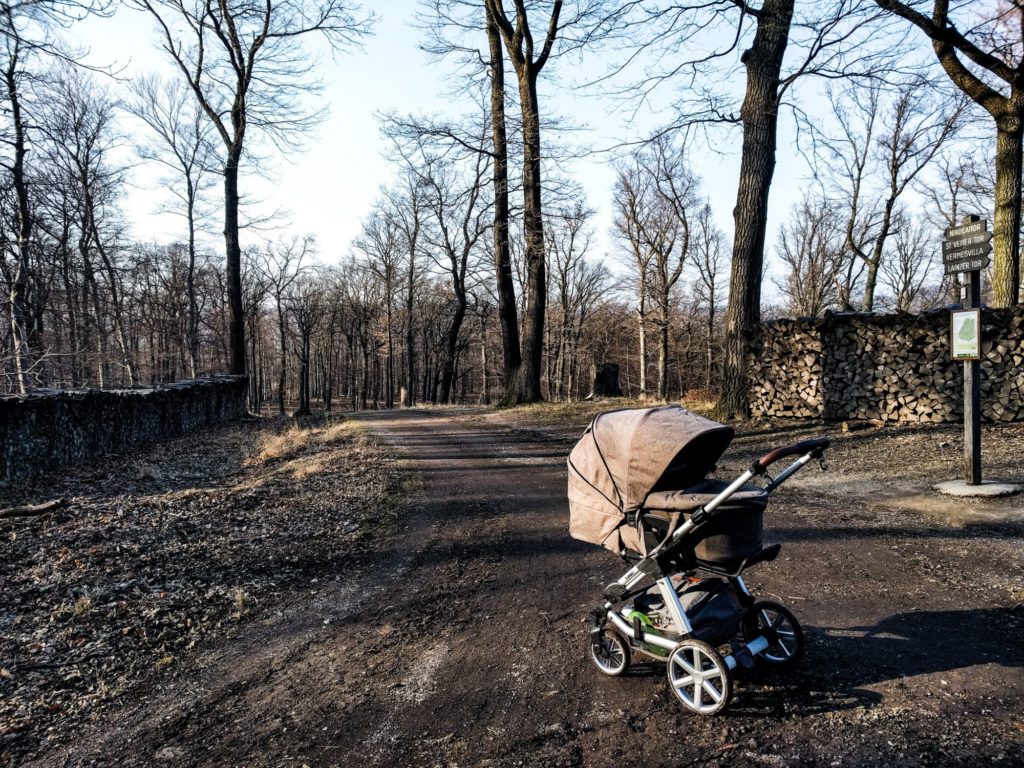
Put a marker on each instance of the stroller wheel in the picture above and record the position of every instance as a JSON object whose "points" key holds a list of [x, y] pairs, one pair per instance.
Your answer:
{"points": [[699, 677], [613, 657], [779, 625]]}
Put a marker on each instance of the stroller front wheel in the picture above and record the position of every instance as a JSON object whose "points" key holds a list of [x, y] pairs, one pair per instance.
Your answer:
{"points": [[700, 677], [778, 624], [612, 658]]}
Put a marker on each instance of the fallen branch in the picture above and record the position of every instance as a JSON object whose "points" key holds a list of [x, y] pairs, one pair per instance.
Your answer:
{"points": [[32, 510]]}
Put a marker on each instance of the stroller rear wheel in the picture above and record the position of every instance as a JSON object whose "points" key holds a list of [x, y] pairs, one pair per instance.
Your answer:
{"points": [[612, 658], [778, 624], [699, 677]]}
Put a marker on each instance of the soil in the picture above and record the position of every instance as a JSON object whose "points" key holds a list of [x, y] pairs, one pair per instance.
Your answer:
{"points": [[460, 638], [167, 550]]}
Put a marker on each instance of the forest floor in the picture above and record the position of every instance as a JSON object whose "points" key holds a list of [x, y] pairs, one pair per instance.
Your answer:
{"points": [[461, 640], [175, 547]]}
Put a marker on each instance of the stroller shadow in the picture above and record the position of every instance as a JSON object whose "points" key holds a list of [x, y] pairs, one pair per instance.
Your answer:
{"points": [[841, 661]]}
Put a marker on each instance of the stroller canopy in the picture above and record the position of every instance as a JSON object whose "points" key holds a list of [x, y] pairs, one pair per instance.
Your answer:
{"points": [[626, 454]]}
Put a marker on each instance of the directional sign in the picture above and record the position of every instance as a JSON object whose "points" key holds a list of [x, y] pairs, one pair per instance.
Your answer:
{"points": [[967, 265], [966, 252], [966, 241], [966, 247], [971, 228]]}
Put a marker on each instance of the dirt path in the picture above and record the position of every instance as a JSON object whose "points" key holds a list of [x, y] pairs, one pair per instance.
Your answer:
{"points": [[463, 643]]}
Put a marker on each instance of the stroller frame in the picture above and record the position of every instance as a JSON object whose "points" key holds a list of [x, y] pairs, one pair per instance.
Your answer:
{"points": [[704, 662]]}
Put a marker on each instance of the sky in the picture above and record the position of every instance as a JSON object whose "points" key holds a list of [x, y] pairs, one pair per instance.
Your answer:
{"points": [[329, 187]]}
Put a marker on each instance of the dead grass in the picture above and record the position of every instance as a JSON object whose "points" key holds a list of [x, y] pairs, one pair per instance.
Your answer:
{"points": [[577, 415], [289, 442], [303, 468], [282, 444]]}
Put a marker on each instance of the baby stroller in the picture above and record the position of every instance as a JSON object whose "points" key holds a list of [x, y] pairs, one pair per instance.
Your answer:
{"points": [[637, 486]]}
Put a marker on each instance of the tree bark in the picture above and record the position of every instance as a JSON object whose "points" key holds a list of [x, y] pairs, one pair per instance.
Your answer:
{"points": [[233, 251], [451, 344], [508, 314], [663, 329], [1006, 286], [190, 282], [19, 298], [641, 315], [527, 386], [759, 114]]}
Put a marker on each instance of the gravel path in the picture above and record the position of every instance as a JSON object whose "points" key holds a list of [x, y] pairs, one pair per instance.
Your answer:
{"points": [[463, 641]]}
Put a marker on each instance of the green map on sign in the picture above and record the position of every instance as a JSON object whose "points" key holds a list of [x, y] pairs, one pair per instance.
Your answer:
{"points": [[967, 332]]}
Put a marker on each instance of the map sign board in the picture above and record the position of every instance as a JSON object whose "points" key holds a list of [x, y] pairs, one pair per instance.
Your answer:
{"points": [[966, 247], [965, 334]]}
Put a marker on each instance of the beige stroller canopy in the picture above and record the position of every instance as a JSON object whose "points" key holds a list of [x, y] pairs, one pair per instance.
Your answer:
{"points": [[626, 454]]}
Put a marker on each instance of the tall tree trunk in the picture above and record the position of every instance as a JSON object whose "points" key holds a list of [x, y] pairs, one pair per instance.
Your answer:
{"points": [[759, 114], [389, 396], [663, 329], [1006, 286], [19, 291], [508, 314], [282, 374], [233, 252], [451, 345], [485, 392], [527, 385], [190, 283], [410, 332], [641, 314], [709, 349]]}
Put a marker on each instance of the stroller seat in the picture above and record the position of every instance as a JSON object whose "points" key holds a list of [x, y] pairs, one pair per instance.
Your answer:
{"points": [[730, 536], [696, 496]]}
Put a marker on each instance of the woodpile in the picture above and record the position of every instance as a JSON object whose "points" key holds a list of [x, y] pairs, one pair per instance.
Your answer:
{"points": [[785, 370], [888, 368]]}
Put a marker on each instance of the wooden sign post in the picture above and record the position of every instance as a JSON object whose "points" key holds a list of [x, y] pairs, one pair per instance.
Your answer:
{"points": [[966, 249]]}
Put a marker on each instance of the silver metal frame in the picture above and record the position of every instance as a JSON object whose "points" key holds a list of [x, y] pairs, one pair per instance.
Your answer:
{"points": [[634, 576]]}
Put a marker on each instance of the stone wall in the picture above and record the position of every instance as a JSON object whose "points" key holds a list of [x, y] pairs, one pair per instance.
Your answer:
{"points": [[43, 431], [883, 367]]}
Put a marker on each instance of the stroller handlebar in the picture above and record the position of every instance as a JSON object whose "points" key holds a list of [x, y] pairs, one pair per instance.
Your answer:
{"points": [[816, 447]]}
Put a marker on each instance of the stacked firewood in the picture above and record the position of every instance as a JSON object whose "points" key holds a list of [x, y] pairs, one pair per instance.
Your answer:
{"points": [[785, 370], [886, 368]]}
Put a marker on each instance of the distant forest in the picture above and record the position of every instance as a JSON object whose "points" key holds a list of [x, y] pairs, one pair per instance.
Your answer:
{"points": [[475, 278]]}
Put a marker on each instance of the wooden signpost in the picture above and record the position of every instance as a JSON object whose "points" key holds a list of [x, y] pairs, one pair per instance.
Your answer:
{"points": [[966, 249]]}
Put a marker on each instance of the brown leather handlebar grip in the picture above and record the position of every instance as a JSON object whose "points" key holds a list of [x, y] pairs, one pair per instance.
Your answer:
{"points": [[797, 449]]}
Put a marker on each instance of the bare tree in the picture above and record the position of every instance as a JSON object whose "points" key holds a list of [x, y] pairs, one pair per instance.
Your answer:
{"points": [[907, 271], [182, 144], [656, 197], [407, 208], [819, 38], [281, 265], [811, 249], [459, 209], [569, 242], [380, 243], [993, 79], [246, 67], [306, 300], [528, 61], [81, 128], [28, 29], [708, 245], [879, 152], [632, 189]]}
